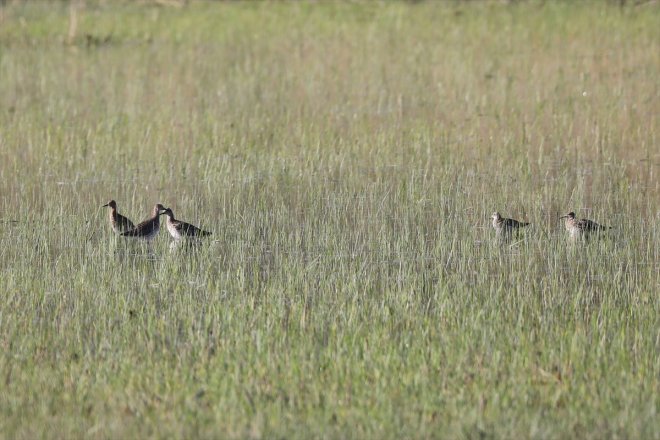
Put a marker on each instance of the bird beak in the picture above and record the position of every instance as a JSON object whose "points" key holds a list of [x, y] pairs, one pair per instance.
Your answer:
{"points": [[105, 205], [563, 216]]}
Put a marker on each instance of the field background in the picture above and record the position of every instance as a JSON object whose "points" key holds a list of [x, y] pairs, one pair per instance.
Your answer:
{"points": [[347, 157]]}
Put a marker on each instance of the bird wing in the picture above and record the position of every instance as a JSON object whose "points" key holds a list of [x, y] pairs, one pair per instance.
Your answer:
{"points": [[588, 225], [179, 226], [189, 230], [143, 228], [124, 223], [511, 223]]}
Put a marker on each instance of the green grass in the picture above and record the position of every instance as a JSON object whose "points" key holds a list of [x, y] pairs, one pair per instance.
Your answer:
{"points": [[347, 158]]}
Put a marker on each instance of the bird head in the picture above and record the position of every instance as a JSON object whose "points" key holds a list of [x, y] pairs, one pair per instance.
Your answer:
{"points": [[158, 209]]}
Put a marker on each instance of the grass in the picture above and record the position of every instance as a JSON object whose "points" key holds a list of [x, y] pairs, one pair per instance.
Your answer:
{"points": [[347, 158]]}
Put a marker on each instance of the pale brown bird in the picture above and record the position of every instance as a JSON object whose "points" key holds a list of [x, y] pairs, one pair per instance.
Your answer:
{"points": [[149, 228], [504, 227], [179, 229], [118, 222], [581, 228]]}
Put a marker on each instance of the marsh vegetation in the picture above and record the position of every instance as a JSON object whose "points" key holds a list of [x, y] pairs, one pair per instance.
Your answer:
{"points": [[347, 158]]}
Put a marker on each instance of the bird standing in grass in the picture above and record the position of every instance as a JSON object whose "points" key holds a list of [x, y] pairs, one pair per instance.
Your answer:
{"points": [[181, 230], [149, 228], [504, 227], [582, 228], [118, 222]]}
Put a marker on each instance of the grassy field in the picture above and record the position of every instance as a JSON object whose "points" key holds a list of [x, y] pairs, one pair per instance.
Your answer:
{"points": [[347, 157]]}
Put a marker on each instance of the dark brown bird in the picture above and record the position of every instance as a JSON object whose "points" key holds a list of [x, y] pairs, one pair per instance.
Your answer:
{"points": [[504, 227], [180, 230], [149, 228], [581, 228], [118, 222]]}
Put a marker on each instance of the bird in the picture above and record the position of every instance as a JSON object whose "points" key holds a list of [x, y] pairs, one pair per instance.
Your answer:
{"points": [[504, 227], [181, 230], [118, 222], [581, 228], [149, 228]]}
